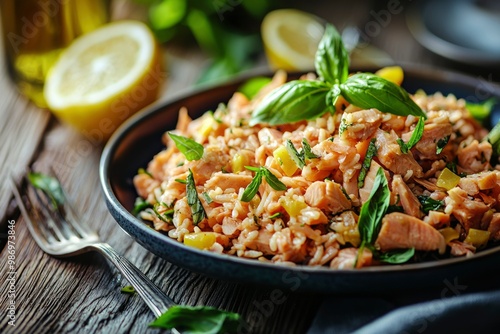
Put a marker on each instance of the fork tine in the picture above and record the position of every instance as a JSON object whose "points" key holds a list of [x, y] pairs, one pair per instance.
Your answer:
{"points": [[41, 237], [69, 215]]}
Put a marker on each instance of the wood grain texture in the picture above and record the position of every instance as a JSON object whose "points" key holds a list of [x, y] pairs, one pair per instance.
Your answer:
{"points": [[82, 294]]}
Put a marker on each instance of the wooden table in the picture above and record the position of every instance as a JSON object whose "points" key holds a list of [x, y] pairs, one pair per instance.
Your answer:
{"points": [[82, 295]]}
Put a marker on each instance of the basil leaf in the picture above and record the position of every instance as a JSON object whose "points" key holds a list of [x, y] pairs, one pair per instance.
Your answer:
{"points": [[332, 59], [207, 197], [294, 154], [187, 146], [251, 87], [197, 210], [367, 161], [441, 143], [367, 90], [140, 205], [417, 133], [294, 101], [415, 137], [50, 186], [308, 153], [276, 215], [429, 204], [397, 256], [198, 319], [252, 189], [272, 180], [374, 209], [180, 181]]}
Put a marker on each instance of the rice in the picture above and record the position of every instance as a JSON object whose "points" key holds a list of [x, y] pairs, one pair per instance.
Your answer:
{"points": [[314, 222]]}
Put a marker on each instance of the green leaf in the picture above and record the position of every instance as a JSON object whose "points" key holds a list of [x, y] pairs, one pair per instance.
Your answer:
{"points": [[294, 101], [494, 139], [429, 204], [374, 209], [143, 171], [197, 210], [180, 181], [197, 320], [207, 197], [441, 143], [50, 186], [129, 289], [417, 133], [251, 87], [294, 154], [252, 189], [166, 13], [308, 153], [140, 205], [276, 215], [261, 172], [415, 137], [397, 256], [481, 111], [187, 146], [332, 59], [367, 161], [272, 180], [367, 90]]}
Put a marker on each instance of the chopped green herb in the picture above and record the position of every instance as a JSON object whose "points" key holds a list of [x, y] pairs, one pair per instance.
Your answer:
{"points": [[296, 156], [207, 197], [140, 205], [166, 216], [452, 166], [395, 208], [261, 172], [128, 289], [441, 143], [343, 126], [308, 153], [429, 204], [50, 186], [143, 171], [187, 146], [180, 164], [197, 210], [367, 161], [275, 216], [198, 319], [415, 137], [481, 111], [180, 181], [396, 256]]}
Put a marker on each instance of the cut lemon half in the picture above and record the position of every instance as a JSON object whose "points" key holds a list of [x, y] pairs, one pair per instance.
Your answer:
{"points": [[291, 38], [104, 77]]}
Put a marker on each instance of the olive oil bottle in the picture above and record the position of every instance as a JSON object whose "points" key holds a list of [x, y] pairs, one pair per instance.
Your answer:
{"points": [[36, 31]]}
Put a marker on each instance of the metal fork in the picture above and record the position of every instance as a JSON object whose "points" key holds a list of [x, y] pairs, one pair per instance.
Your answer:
{"points": [[58, 232]]}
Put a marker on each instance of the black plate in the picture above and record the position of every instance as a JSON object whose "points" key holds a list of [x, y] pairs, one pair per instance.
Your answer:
{"points": [[139, 139]]}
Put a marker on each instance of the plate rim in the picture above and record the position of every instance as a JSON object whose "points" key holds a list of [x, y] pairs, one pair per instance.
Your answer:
{"points": [[420, 71]]}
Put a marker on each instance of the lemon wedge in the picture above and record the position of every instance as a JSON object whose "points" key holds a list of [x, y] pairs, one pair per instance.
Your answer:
{"points": [[291, 38], [104, 77]]}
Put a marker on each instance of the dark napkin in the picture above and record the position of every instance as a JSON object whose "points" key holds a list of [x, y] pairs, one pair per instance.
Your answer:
{"points": [[455, 307]]}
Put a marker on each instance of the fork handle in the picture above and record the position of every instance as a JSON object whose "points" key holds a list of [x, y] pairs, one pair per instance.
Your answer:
{"points": [[155, 298]]}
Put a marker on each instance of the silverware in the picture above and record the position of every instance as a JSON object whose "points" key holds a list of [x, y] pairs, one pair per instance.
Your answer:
{"points": [[59, 232]]}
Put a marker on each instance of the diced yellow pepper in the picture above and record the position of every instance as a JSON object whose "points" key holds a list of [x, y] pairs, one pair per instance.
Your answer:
{"points": [[200, 240], [285, 161], [207, 126], [447, 179], [238, 162], [292, 206], [449, 234], [392, 73], [477, 238]]}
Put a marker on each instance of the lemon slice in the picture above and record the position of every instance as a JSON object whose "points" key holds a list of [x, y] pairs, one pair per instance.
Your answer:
{"points": [[291, 38], [104, 77]]}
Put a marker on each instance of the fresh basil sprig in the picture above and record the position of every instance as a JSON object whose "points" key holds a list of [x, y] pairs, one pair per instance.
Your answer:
{"points": [[415, 137], [261, 172], [370, 222], [197, 210], [300, 100], [198, 319], [187, 146]]}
